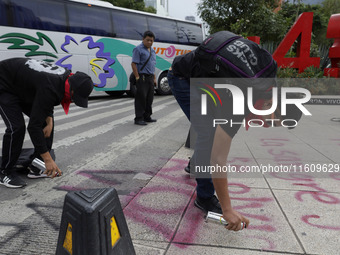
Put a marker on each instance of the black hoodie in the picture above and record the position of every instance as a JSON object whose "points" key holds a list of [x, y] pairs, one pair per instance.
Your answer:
{"points": [[40, 86]]}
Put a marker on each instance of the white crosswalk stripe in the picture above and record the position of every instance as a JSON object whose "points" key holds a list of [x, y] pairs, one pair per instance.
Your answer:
{"points": [[97, 111], [74, 131], [101, 117], [103, 128]]}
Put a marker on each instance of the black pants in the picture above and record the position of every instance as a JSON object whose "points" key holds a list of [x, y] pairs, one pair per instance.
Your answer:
{"points": [[13, 139], [144, 97]]}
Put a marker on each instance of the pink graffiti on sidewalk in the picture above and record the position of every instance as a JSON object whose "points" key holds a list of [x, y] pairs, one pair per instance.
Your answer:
{"points": [[306, 219], [240, 192], [335, 176], [139, 211], [285, 156], [336, 140], [253, 203], [193, 219], [317, 195]]}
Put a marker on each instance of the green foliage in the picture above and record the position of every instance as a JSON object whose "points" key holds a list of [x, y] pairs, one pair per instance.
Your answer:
{"points": [[256, 17], [150, 9], [291, 11], [261, 18], [323, 86], [313, 80], [309, 72], [287, 73], [243, 16], [323, 54], [270, 46], [320, 19], [331, 7], [132, 4]]}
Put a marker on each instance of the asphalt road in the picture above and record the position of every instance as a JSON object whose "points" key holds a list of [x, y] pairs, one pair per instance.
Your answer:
{"points": [[97, 147]]}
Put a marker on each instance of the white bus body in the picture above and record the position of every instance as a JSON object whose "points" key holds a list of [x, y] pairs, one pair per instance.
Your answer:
{"points": [[97, 39]]}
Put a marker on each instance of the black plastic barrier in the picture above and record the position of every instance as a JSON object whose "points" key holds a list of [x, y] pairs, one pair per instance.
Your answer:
{"points": [[93, 223]]}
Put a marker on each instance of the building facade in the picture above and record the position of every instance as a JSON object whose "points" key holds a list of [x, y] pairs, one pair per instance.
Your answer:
{"points": [[162, 6]]}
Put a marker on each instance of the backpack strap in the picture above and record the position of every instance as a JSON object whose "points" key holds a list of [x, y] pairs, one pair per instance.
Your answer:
{"points": [[146, 61]]}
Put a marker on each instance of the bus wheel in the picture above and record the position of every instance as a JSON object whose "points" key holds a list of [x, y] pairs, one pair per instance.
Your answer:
{"points": [[163, 85], [115, 93]]}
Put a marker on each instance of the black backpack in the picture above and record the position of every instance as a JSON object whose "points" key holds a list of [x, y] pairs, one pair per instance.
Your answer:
{"points": [[225, 54]]}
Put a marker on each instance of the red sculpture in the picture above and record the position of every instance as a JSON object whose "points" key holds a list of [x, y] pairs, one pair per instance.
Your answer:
{"points": [[333, 31], [301, 31], [255, 39]]}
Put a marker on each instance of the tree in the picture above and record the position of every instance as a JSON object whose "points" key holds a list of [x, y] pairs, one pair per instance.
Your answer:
{"points": [[132, 4], [246, 17], [264, 23], [150, 9], [320, 18], [256, 17], [331, 7]]}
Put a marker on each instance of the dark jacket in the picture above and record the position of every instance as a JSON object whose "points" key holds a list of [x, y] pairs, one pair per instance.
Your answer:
{"points": [[187, 66], [39, 86]]}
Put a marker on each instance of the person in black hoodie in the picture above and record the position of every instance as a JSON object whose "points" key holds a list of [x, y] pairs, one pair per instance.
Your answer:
{"points": [[34, 87]]}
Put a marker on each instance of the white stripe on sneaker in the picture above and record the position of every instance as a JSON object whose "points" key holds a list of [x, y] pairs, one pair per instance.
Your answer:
{"points": [[6, 182]]}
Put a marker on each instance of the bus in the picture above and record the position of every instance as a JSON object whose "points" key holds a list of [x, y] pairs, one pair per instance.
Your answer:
{"points": [[94, 37]]}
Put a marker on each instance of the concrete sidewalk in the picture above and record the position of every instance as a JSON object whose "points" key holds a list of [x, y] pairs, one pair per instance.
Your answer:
{"points": [[290, 213]]}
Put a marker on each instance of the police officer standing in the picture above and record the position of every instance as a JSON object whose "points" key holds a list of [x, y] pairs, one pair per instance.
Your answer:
{"points": [[143, 67]]}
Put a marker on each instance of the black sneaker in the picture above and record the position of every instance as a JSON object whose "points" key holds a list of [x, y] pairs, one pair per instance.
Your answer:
{"points": [[35, 173], [12, 181], [208, 204]]}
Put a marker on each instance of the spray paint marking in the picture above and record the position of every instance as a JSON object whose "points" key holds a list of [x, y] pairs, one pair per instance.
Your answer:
{"points": [[139, 211], [302, 179]]}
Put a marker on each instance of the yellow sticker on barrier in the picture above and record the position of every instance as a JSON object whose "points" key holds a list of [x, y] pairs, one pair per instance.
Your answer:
{"points": [[68, 239], [114, 231]]}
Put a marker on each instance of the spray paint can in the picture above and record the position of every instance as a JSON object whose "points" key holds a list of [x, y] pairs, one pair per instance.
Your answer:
{"points": [[39, 164], [218, 218]]}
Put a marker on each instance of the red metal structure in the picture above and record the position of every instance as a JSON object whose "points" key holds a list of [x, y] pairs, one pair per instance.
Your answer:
{"points": [[333, 31], [302, 32]]}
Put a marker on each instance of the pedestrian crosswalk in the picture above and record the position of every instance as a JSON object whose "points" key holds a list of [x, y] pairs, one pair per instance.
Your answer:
{"points": [[107, 127], [95, 148]]}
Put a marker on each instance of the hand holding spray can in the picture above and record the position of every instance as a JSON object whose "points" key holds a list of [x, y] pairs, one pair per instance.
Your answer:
{"points": [[218, 218], [41, 166]]}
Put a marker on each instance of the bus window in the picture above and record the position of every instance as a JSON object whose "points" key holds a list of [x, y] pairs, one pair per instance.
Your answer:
{"points": [[189, 33], [164, 30], [91, 20], [129, 25], [37, 14], [3, 15]]}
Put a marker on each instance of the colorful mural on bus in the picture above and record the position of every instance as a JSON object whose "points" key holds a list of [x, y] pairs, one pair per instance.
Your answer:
{"points": [[106, 60]]}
